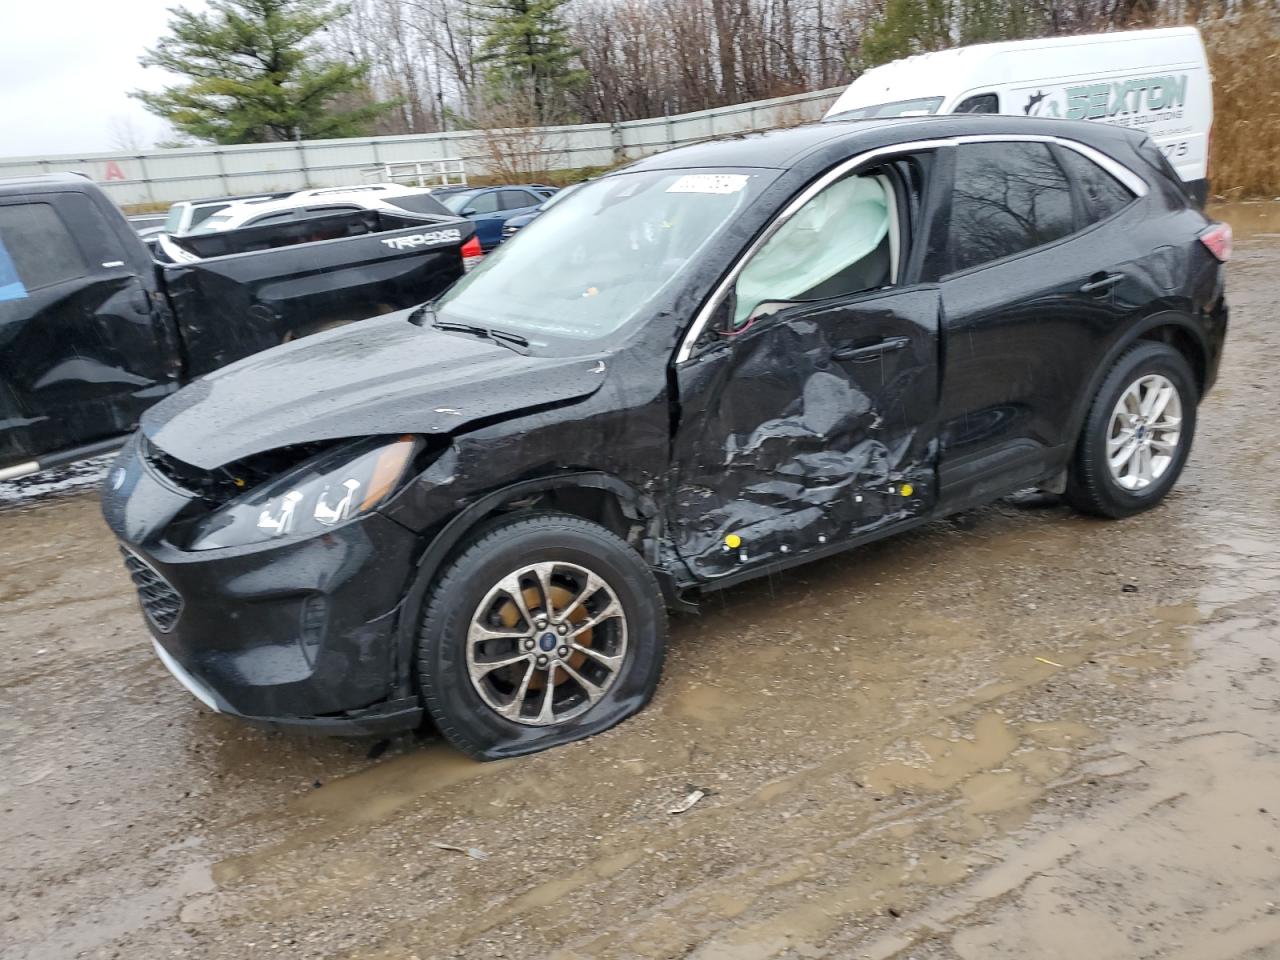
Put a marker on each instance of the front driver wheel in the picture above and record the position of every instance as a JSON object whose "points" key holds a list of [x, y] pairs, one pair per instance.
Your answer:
{"points": [[1137, 435], [547, 629]]}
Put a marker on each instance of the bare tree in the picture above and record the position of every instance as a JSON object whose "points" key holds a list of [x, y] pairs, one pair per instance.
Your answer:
{"points": [[123, 133]]}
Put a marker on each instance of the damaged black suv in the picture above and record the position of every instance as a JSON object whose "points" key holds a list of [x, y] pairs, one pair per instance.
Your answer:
{"points": [[709, 366]]}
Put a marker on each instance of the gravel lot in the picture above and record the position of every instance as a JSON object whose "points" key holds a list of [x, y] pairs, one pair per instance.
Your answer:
{"points": [[1017, 734]]}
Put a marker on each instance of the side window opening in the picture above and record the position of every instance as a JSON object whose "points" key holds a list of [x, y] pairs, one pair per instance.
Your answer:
{"points": [[485, 203], [979, 103], [845, 240], [515, 199], [36, 250], [1007, 198]]}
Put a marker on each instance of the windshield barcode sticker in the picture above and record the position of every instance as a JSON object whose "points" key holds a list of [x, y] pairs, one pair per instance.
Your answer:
{"points": [[709, 183]]}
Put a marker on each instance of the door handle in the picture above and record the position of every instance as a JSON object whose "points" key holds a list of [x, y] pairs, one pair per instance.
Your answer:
{"points": [[1101, 282], [887, 345]]}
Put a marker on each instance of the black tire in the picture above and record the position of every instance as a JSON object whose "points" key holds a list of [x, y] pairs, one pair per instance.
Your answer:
{"points": [[460, 714], [1091, 488]]}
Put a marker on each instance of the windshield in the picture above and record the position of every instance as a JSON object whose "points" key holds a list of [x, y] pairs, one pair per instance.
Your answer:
{"points": [[919, 107], [598, 258], [174, 220], [456, 201]]}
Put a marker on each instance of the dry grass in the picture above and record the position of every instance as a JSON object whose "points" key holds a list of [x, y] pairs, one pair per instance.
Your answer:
{"points": [[1244, 54]]}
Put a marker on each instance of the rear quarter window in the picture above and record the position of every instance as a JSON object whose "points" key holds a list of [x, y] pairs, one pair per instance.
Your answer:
{"points": [[1007, 198], [1101, 194]]}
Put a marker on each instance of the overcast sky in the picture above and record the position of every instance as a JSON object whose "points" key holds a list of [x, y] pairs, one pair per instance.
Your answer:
{"points": [[66, 67]]}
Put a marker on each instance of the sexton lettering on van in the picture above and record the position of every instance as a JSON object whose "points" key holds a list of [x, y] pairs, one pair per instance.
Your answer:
{"points": [[1156, 81]]}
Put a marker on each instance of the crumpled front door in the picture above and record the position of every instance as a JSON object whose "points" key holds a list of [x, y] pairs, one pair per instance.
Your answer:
{"points": [[807, 430]]}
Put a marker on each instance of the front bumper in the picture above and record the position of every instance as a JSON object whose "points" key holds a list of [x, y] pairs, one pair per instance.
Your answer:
{"points": [[298, 634], [389, 717]]}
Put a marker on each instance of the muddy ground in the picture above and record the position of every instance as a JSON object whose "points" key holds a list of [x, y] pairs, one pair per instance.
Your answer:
{"points": [[1018, 734]]}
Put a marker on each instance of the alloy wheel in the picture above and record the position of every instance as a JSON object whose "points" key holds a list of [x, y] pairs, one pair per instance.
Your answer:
{"points": [[1144, 432], [546, 643]]}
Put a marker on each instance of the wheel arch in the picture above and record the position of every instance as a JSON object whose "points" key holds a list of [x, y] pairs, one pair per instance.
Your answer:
{"points": [[593, 495], [1170, 327]]}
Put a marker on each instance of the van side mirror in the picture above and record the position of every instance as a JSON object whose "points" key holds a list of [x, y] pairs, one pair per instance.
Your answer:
{"points": [[469, 212]]}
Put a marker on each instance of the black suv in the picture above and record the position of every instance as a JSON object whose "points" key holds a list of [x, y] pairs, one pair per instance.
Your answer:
{"points": [[710, 366]]}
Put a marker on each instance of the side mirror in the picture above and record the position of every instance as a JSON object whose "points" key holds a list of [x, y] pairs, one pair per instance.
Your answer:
{"points": [[469, 212]]}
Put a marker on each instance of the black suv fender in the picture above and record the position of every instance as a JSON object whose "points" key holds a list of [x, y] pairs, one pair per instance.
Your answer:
{"points": [[1170, 326], [630, 503]]}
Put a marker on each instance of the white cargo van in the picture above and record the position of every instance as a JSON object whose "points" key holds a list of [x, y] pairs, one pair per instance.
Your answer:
{"points": [[1154, 80]]}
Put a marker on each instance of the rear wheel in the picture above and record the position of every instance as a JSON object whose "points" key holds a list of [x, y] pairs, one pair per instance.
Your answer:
{"points": [[548, 628], [1137, 435]]}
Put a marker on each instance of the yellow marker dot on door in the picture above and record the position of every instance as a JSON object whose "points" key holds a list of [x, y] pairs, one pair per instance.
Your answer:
{"points": [[733, 541], [908, 489]]}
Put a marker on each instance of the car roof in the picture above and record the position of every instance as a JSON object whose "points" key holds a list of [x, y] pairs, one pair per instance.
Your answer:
{"points": [[45, 183], [366, 199], [783, 149], [445, 191]]}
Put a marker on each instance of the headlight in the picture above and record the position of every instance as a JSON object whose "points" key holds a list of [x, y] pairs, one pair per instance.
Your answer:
{"points": [[321, 493]]}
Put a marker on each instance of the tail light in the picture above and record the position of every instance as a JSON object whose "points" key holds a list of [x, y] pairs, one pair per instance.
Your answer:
{"points": [[472, 248], [1217, 240]]}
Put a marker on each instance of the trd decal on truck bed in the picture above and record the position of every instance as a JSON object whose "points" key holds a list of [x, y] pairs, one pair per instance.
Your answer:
{"points": [[423, 239]]}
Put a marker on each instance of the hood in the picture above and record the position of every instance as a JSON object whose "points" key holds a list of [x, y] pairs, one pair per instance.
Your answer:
{"points": [[379, 376]]}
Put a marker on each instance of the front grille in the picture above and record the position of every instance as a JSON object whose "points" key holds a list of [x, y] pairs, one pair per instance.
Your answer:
{"points": [[160, 602]]}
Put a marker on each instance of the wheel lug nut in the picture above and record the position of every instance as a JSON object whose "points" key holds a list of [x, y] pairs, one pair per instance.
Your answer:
{"points": [[562, 652], [562, 629], [528, 644], [542, 659]]}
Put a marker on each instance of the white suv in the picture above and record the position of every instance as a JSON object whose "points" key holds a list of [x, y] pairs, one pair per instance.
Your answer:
{"points": [[305, 204]]}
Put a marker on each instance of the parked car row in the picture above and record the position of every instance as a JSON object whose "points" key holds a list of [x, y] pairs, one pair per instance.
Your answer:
{"points": [[491, 208], [488, 207]]}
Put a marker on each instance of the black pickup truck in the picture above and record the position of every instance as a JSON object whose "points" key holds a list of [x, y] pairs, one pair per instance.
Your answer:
{"points": [[94, 329]]}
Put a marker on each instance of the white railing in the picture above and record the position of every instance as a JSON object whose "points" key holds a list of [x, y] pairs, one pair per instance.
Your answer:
{"points": [[418, 173]]}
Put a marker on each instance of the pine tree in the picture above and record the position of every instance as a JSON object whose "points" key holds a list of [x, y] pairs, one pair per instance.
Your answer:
{"points": [[907, 27], [526, 47], [257, 74]]}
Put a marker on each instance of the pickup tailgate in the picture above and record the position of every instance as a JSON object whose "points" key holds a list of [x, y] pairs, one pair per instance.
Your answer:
{"points": [[258, 287]]}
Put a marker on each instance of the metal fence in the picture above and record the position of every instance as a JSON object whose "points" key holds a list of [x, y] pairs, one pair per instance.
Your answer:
{"points": [[159, 176]]}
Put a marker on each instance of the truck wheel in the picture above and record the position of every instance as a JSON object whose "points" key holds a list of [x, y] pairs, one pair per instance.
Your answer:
{"points": [[1137, 435], [546, 629]]}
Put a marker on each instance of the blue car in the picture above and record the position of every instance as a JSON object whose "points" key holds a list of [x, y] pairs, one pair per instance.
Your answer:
{"points": [[515, 224], [491, 207]]}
